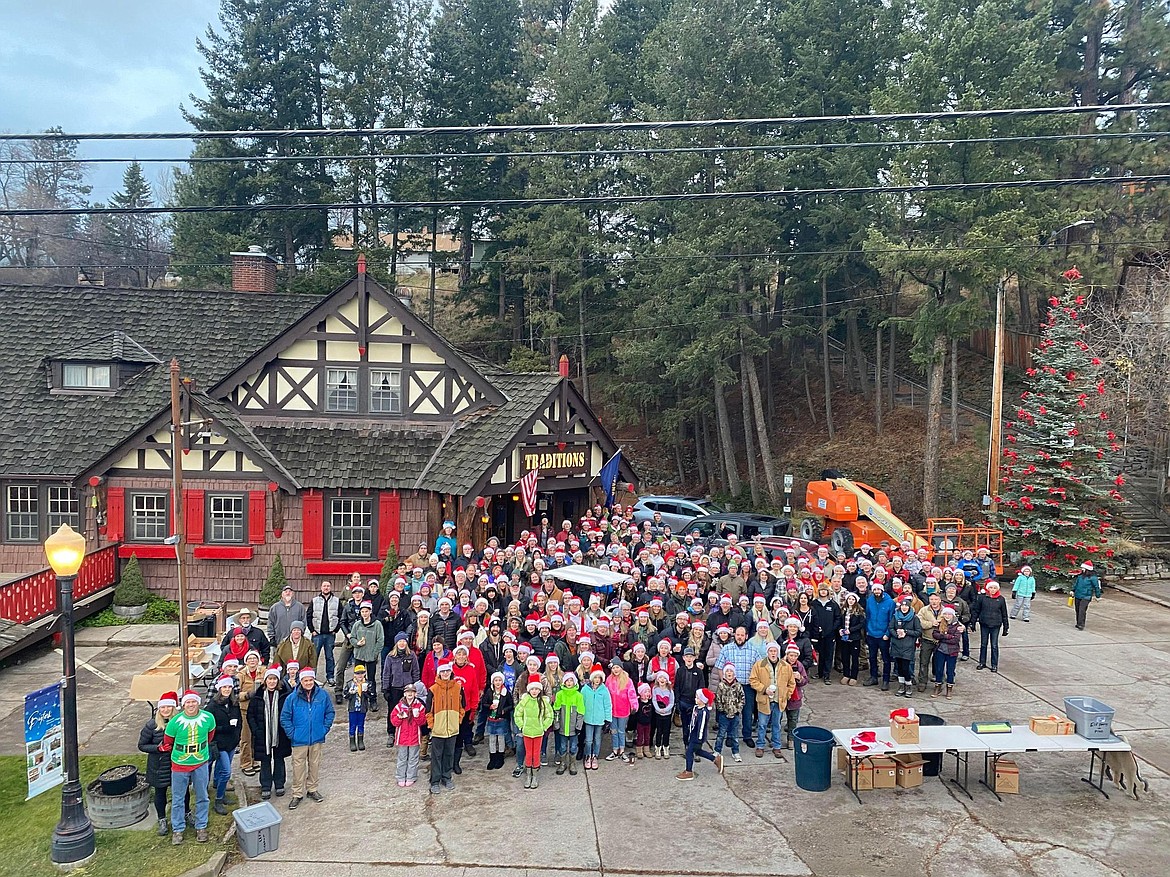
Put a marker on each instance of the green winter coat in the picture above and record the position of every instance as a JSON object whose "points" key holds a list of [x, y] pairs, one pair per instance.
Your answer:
{"points": [[533, 715], [373, 634], [569, 708]]}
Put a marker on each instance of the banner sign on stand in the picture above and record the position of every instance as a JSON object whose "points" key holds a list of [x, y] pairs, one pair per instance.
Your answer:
{"points": [[43, 740]]}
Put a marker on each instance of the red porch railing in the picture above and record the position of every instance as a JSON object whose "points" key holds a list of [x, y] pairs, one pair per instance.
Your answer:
{"points": [[33, 597]]}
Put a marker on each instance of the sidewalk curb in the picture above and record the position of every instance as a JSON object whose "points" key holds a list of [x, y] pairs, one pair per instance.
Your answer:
{"points": [[213, 867], [1140, 596]]}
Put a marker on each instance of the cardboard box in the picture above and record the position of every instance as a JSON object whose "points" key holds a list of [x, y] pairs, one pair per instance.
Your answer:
{"points": [[863, 777], [885, 772], [842, 760], [1007, 777], [909, 770], [1051, 726], [904, 730]]}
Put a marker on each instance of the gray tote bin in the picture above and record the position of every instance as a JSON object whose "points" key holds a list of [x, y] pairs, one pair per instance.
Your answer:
{"points": [[1094, 720], [257, 829]]}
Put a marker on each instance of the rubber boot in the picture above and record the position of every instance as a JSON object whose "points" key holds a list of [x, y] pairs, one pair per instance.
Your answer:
{"points": [[572, 767], [353, 742], [937, 690], [424, 747], [562, 766], [528, 776], [535, 781], [361, 741], [950, 688]]}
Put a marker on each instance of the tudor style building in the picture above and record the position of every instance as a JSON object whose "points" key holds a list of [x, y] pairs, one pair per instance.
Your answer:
{"points": [[321, 428]]}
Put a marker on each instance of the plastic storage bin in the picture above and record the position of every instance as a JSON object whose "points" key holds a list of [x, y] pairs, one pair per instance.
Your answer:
{"points": [[257, 829], [814, 758], [1094, 720]]}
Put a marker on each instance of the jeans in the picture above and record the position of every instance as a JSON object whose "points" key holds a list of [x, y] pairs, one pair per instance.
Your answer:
{"points": [[944, 663], [617, 729], [271, 771], [769, 726], [357, 723], [850, 653], [180, 781], [728, 730], [1082, 608], [323, 643], [592, 740], [879, 646], [748, 715], [223, 771], [989, 634], [696, 750], [825, 650], [519, 738], [1022, 604], [566, 745], [442, 759]]}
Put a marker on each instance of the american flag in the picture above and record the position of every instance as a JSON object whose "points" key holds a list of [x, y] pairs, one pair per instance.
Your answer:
{"points": [[528, 492]]}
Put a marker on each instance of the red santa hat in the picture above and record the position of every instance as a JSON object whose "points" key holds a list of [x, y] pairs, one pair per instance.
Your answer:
{"points": [[274, 670], [170, 698], [307, 673], [190, 695], [704, 696]]}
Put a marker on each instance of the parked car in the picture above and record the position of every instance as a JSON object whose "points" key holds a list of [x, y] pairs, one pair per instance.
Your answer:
{"points": [[675, 510], [713, 529]]}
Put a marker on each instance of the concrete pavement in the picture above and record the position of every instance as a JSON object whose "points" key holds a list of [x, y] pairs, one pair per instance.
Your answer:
{"points": [[640, 820]]}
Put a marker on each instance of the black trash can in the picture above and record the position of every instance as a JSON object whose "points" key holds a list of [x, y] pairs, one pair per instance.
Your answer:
{"points": [[814, 758], [933, 759]]}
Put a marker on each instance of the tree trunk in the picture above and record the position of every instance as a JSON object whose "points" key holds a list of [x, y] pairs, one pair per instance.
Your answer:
{"points": [[711, 448], [734, 486], [518, 315], [753, 384], [554, 350], [890, 377], [930, 469], [812, 410], [1025, 306], [678, 460], [954, 391], [877, 383], [466, 245], [700, 456], [825, 355], [749, 444], [1090, 84], [853, 340], [502, 304]]}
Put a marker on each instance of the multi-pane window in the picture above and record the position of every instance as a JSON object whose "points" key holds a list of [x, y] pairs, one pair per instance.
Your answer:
{"points": [[63, 508], [148, 517], [341, 389], [225, 514], [351, 527], [79, 376], [385, 391], [22, 513]]}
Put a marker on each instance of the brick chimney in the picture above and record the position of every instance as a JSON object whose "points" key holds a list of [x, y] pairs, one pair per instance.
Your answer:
{"points": [[253, 271]]}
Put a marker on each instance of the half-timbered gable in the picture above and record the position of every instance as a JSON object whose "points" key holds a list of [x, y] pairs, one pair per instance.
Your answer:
{"points": [[361, 354]]}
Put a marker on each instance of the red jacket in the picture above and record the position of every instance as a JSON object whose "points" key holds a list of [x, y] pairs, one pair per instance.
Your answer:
{"points": [[408, 720], [657, 665], [469, 674]]}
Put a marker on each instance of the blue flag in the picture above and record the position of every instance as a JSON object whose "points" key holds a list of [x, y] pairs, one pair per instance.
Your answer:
{"points": [[609, 477]]}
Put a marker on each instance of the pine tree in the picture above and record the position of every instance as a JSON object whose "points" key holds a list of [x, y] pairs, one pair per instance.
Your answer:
{"points": [[273, 584], [389, 567], [1058, 499], [136, 237]]}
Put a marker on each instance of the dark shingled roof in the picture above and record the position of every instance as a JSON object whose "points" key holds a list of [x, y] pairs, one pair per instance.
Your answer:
{"points": [[336, 455], [210, 332], [483, 436], [117, 346]]}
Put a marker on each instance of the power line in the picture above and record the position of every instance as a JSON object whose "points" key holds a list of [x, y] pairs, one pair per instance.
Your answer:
{"points": [[505, 203], [599, 127], [635, 151]]}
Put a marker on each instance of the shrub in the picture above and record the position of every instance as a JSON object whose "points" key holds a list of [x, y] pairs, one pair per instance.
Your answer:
{"points": [[274, 584], [389, 567], [131, 590]]}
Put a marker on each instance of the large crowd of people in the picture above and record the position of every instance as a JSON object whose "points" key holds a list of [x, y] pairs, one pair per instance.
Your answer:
{"points": [[466, 646]]}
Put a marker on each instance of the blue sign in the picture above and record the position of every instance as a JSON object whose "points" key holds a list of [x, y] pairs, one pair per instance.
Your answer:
{"points": [[44, 741]]}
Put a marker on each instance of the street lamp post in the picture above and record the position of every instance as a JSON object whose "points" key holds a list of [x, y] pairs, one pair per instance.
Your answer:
{"points": [[73, 840]]}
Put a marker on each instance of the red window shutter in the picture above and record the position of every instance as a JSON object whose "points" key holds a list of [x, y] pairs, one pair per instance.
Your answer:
{"points": [[313, 526], [256, 520], [388, 518], [115, 513], [193, 515]]}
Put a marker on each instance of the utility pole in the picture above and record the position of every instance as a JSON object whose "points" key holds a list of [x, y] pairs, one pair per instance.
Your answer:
{"points": [[179, 536], [995, 444]]}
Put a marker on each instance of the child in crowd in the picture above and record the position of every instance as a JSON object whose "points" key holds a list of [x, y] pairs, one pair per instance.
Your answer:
{"points": [[356, 692], [662, 697], [695, 733], [597, 712], [643, 717], [796, 699], [729, 700], [1023, 590], [409, 717], [569, 716], [534, 716], [499, 720]]}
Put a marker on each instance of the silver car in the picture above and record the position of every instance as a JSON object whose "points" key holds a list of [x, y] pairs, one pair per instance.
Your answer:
{"points": [[675, 510]]}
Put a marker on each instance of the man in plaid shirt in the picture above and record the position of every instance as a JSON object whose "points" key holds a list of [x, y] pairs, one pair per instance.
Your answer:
{"points": [[742, 655]]}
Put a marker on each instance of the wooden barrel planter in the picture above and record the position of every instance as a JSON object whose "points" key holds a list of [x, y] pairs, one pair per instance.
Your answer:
{"points": [[124, 808]]}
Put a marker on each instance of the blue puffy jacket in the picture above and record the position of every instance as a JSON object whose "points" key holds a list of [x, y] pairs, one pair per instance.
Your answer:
{"points": [[307, 718], [878, 615]]}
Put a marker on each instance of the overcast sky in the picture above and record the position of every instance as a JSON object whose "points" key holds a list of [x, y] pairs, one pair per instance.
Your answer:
{"points": [[102, 65]]}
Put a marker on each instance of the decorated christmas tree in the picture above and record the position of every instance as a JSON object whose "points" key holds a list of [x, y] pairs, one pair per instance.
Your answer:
{"points": [[1058, 495]]}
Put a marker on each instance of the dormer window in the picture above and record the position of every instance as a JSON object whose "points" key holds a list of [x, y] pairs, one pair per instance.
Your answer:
{"points": [[86, 376]]}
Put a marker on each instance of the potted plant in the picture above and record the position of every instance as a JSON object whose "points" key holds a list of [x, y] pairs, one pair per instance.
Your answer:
{"points": [[270, 590], [131, 596]]}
